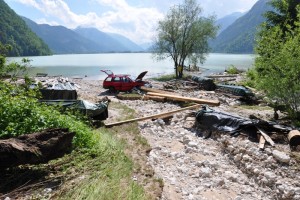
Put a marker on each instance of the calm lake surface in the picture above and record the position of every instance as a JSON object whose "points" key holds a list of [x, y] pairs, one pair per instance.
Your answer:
{"points": [[88, 66]]}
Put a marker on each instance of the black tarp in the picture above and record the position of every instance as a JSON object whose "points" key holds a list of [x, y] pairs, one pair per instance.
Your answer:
{"points": [[54, 94], [94, 111], [209, 120]]}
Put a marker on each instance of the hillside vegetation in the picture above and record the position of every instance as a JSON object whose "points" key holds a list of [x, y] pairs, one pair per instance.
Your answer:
{"points": [[14, 31], [239, 37]]}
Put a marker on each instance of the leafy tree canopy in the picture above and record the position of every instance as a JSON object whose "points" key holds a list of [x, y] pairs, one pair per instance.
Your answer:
{"points": [[284, 15], [183, 34], [277, 70]]}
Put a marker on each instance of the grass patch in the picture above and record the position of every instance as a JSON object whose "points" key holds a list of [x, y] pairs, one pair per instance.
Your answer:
{"points": [[103, 172], [169, 77], [165, 78]]}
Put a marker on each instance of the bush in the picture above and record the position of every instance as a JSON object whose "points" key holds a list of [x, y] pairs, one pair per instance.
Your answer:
{"points": [[21, 113], [232, 70]]}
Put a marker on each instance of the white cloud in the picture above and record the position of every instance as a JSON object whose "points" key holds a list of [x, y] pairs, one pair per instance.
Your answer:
{"points": [[135, 22], [141, 21]]}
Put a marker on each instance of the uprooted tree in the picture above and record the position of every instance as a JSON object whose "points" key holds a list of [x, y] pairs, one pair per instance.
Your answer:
{"points": [[183, 34], [277, 70]]}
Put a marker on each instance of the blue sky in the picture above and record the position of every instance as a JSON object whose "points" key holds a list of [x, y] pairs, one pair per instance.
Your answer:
{"points": [[135, 19]]}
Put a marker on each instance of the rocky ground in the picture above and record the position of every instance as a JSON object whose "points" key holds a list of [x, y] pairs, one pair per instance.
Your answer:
{"points": [[220, 168]]}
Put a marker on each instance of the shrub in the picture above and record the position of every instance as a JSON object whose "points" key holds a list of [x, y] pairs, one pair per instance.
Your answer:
{"points": [[21, 113], [232, 70]]}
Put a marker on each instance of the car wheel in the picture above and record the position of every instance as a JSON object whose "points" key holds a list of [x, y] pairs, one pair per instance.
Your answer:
{"points": [[112, 89]]}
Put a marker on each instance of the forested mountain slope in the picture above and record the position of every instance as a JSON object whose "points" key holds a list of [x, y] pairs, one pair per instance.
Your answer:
{"points": [[15, 32], [239, 37]]}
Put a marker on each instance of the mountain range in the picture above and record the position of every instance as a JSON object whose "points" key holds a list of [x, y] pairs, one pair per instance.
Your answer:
{"points": [[239, 37], [62, 40], [236, 35], [226, 21]]}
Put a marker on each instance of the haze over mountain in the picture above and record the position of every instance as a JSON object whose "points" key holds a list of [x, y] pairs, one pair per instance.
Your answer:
{"points": [[62, 40], [226, 21], [14, 31], [239, 37]]}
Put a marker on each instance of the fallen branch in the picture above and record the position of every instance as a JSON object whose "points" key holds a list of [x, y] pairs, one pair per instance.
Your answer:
{"points": [[161, 115]]}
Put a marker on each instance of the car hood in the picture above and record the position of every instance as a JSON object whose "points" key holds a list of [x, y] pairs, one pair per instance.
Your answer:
{"points": [[141, 76]]}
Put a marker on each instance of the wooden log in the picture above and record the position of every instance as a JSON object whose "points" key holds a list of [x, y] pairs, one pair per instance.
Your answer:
{"points": [[160, 115], [262, 142], [146, 89], [154, 98], [35, 148], [180, 98], [294, 138], [267, 138]]}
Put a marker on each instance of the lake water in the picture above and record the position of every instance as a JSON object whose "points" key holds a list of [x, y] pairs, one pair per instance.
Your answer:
{"points": [[88, 66]]}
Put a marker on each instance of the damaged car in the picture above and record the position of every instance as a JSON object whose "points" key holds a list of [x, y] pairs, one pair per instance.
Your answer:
{"points": [[123, 82]]}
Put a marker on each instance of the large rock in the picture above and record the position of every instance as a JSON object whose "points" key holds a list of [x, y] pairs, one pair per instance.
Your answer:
{"points": [[281, 156]]}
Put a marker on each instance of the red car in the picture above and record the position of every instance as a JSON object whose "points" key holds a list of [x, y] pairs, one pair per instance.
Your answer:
{"points": [[122, 82]]}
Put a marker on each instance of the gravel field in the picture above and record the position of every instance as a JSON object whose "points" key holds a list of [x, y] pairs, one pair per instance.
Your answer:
{"points": [[220, 168]]}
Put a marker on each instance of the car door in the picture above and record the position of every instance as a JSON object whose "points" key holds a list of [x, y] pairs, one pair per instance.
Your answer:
{"points": [[127, 84], [117, 83]]}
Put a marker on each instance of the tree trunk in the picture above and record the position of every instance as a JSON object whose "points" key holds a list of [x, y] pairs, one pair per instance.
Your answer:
{"points": [[176, 70]]}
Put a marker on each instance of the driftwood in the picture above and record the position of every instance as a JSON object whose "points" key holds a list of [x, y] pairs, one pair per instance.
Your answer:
{"points": [[35, 148], [181, 98], [161, 115]]}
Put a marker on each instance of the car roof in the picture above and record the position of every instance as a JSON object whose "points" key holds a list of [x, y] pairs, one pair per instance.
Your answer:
{"points": [[111, 74], [119, 75]]}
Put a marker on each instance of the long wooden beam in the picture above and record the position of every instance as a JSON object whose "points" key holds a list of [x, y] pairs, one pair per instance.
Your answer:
{"points": [[160, 115], [181, 98]]}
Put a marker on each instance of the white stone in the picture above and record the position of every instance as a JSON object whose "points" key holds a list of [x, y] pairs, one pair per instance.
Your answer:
{"points": [[205, 172], [193, 144], [270, 176], [237, 158], [281, 156], [231, 176], [247, 158]]}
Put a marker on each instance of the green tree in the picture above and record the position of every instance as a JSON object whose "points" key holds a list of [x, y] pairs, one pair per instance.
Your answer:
{"points": [[183, 34], [277, 70], [284, 15], [12, 69]]}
